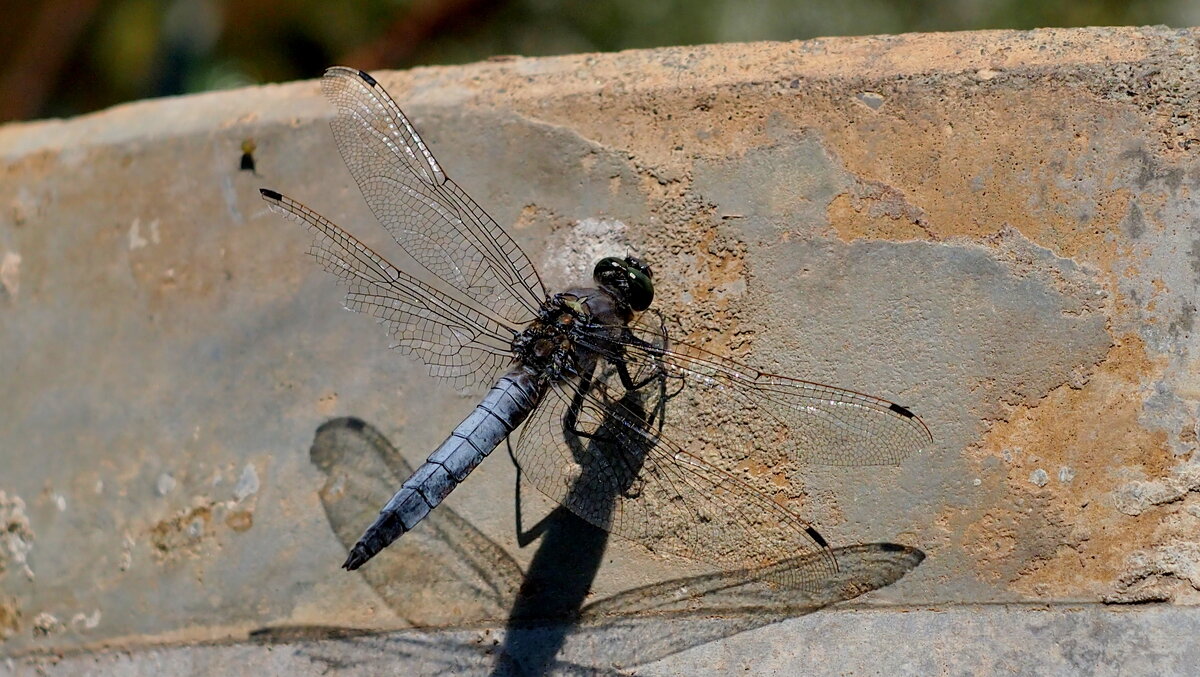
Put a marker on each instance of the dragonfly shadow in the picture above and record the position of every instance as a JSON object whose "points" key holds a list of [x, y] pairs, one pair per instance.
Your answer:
{"points": [[655, 621], [650, 623], [446, 574], [550, 600]]}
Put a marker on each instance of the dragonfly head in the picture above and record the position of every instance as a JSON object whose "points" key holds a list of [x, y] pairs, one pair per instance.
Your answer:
{"points": [[629, 280]]}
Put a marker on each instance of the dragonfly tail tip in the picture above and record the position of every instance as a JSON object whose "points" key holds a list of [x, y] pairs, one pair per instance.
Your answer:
{"points": [[356, 559]]}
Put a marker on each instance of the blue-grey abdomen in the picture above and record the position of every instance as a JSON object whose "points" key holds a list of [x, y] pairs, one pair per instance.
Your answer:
{"points": [[504, 408]]}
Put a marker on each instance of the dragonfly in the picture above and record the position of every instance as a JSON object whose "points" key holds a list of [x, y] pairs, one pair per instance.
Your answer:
{"points": [[566, 369]]}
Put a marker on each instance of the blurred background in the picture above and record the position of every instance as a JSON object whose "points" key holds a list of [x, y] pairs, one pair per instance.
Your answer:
{"points": [[65, 57]]}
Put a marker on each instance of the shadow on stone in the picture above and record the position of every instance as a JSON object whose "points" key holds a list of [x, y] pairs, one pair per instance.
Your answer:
{"points": [[446, 574], [632, 628], [564, 567]]}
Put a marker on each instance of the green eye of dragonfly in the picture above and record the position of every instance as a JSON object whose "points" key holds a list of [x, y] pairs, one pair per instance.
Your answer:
{"points": [[628, 278], [641, 290]]}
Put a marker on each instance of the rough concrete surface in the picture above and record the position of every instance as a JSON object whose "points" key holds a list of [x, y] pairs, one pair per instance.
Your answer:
{"points": [[961, 641], [995, 229]]}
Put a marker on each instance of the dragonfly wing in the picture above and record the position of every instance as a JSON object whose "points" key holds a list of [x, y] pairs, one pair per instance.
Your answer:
{"points": [[598, 450], [735, 406], [861, 569], [435, 222], [465, 344]]}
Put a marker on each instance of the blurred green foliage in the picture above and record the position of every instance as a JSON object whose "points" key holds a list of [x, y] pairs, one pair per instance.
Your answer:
{"points": [[129, 49]]}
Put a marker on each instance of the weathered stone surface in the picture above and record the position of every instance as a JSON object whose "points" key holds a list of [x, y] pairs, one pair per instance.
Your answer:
{"points": [[996, 229], [971, 640]]}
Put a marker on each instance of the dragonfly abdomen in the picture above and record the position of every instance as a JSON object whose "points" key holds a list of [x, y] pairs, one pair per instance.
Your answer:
{"points": [[504, 408]]}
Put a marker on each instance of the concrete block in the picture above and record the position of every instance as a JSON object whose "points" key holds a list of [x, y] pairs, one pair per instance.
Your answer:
{"points": [[994, 229]]}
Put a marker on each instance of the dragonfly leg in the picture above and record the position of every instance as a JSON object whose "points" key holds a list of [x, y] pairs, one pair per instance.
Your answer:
{"points": [[571, 415], [620, 440], [627, 378], [660, 374], [657, 350]]}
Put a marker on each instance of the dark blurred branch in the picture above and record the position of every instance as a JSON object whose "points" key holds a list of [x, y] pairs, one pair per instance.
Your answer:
{"points": [[405, 36], [37, 61]]}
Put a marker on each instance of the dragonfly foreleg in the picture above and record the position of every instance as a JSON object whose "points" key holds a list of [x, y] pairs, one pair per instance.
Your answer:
{"points": [[658, 370], [627, 379]]}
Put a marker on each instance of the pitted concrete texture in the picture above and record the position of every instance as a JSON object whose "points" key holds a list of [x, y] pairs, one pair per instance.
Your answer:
{"points": [[995, 229], [970, 640]]}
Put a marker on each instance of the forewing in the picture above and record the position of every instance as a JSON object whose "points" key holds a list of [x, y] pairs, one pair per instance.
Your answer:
{"points": [[465, 344], [738, 409], [602, 456], [437, 223]]}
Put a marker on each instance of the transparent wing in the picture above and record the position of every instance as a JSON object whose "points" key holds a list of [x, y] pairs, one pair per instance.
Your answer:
{"points": [[599, 450], [861, 569], [467, 345], [741, 410], [438, 224]]}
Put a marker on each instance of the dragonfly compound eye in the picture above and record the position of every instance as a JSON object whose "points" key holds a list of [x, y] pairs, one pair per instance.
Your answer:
{"points": [[641, 289], [641, 265], [607, 269], [627, 280]]}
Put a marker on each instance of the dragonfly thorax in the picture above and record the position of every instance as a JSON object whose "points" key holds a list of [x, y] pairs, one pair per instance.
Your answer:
{"points": [[548, 345]]}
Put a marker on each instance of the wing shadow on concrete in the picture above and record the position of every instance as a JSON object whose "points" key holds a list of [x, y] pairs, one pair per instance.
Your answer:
{"points": [[445, 576], [647, 624], [609, 462], [444, 573]]}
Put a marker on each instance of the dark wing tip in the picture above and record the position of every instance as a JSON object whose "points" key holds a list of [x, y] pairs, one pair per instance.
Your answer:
{"points": [[269, 194], [367, 78], [902, 411], [816, 536]]}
